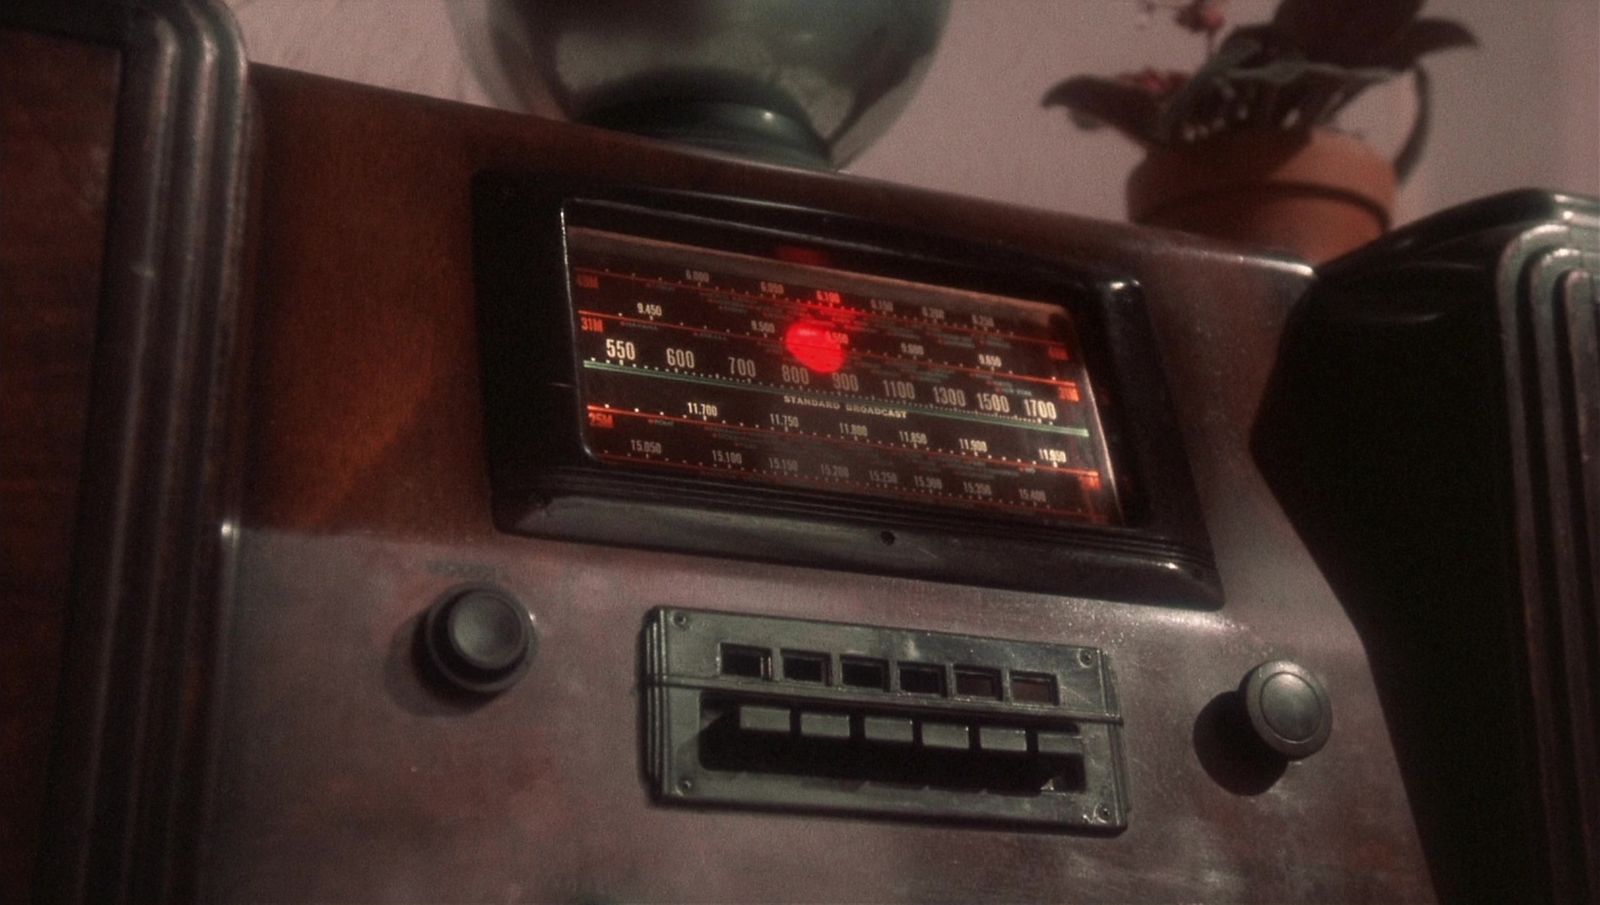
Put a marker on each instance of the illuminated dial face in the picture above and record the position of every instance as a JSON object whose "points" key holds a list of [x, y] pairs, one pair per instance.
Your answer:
{"points": [[715, 364]]}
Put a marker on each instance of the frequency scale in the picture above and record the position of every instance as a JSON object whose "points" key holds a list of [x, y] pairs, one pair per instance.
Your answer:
{"points": [[775, 383], [878, 387]]}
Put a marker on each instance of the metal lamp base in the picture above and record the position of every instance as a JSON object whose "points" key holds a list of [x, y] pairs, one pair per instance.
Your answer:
{"points": [[741, 129]]}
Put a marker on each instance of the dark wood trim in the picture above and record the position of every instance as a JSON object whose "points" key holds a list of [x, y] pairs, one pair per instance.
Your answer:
{"points": [[57, 113], [150, 546]]}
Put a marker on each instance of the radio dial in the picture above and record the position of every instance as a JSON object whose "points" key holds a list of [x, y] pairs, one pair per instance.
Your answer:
{"points": [[1288, 708], [478, 640]]}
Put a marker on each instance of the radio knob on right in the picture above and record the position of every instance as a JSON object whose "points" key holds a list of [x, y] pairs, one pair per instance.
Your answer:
{"points": [[1288, 708]]}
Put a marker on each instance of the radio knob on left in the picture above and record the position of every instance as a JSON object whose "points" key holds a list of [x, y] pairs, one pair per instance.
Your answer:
{"points": [[478, 639]]}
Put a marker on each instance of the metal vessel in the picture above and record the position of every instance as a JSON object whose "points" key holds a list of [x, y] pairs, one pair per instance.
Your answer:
{"points": [[802, 82]]}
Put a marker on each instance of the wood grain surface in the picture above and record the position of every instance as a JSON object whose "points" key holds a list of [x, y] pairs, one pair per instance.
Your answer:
{"points": [[342, 776], [57, 105]]}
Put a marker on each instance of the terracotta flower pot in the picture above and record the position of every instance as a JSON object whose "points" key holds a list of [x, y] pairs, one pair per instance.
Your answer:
{"points": [[1318, 195]]}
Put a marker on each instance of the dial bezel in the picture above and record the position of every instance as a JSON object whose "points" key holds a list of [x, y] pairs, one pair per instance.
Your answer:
{"points": [[544, 483], [960, 444]]}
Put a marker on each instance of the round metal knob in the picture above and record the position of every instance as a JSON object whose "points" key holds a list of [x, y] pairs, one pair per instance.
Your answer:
{"points": [[479, 639], [1288, 708]]}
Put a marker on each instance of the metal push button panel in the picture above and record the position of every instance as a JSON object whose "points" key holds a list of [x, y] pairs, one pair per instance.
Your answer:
{"points": [[800, 715]]}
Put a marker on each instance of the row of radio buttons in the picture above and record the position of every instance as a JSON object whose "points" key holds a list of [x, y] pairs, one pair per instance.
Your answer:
{"points": [[871, 674], [907, 731]]}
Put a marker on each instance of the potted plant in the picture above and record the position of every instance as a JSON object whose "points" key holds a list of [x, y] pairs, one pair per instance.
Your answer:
{"points": [[1245, 147]]}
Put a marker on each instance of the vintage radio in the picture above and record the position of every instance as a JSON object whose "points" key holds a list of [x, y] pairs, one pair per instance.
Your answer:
{"points": [[478, 507]]}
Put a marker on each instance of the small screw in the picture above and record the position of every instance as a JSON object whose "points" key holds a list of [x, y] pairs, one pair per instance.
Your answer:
{"points": [[1102, 813], [680, 619], [685, 786], [1086, 657]]}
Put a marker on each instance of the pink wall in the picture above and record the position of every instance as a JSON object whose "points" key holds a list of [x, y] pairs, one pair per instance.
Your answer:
{"points": [[1523, 110]]}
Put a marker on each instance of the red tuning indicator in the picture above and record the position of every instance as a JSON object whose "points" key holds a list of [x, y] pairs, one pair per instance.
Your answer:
{"points": [[817, 345]]}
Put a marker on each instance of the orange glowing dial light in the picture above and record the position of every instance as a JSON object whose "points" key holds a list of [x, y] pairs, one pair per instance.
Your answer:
{"points": [[818, 345]]}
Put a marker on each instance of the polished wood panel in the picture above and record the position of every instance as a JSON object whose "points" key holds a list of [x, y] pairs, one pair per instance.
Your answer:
{"points": [[341, 776], [146, 547], [57, 109]]}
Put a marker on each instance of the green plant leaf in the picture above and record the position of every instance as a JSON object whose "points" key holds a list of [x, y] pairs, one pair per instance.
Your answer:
{"points": [[1343, 31], [1128, 109], [1278, 72], [1283, 72], [1241, 46], [1423, 37], [1296, 72], [1411, 152]]}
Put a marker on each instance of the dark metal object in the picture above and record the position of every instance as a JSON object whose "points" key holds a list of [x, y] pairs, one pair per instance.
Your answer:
{"points": [[1432, 431], [478, 639], [1288, 708], [742, 129], [546, 484], [802, 82], [752, 711]]}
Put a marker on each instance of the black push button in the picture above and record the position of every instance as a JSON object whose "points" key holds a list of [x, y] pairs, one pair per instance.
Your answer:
{"points": [[755, 718], [479, 639], [835, 726], [1058, 744], [1288, 708], [888, 729], [1002, 740], [946, 736]]}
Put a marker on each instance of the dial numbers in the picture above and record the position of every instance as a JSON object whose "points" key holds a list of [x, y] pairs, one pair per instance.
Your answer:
{"points": [[713, 363]]}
